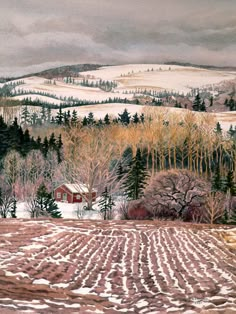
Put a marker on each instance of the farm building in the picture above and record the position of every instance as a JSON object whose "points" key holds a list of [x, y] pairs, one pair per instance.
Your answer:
{"points": [[73, 193]]}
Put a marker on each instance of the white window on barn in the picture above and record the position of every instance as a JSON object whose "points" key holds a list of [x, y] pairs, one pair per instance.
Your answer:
{"points": [[58, 195], [78, 197]]}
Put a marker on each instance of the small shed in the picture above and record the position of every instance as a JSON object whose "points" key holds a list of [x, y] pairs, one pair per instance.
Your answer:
{"points": [[73, 193]]}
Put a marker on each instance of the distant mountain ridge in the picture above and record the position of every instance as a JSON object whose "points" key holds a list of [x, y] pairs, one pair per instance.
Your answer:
{"points": [[73, 70], [207, 67]]}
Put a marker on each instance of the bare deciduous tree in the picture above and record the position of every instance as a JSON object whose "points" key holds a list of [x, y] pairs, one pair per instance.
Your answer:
{"points": [[214, 207], [90, 166], [174, 191], [6, 201]]}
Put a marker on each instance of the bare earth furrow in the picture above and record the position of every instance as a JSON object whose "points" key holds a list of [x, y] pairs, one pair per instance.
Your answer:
{"points": [[66, 266]]}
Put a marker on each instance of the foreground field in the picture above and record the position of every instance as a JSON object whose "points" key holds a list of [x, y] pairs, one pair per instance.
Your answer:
{"points": [[68, 266]]}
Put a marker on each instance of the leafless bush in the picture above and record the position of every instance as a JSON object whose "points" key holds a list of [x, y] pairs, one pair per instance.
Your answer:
{"points": [[214, 207], [171, 193]]}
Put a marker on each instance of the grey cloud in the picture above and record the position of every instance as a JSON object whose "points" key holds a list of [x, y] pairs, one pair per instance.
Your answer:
{"points": [[35, 34]]}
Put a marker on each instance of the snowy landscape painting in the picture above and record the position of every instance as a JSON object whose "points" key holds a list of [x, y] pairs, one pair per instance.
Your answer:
{"points": [[118, 156]]}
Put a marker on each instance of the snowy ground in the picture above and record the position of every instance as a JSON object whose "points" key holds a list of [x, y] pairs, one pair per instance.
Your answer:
{"points": [[68, 211], [161, 77], [62, 89], [132, 77], [86, 266]]}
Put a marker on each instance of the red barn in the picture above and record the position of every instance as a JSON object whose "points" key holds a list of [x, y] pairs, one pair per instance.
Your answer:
{"points": [[72, 193]]}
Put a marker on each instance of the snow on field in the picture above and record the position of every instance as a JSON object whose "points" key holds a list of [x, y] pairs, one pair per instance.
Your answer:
{"points": [[115, 266], [62, 89], [162, 77], [39, 97], [112, 109], [69, 211]]}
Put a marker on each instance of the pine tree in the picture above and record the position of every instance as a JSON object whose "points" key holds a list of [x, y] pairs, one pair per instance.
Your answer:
{"points": [[211, 101], [124, 117], [25, 116], [52, 141], [85, 121], [135, 118], [217, 181], [229, 184], [45, 147], [142, 118], [46, 203], [231, 104], [218, 128], [43, 115], [106, 203], [203, 106], [107, 119], [34, 118], [74, 118], [49, 115], [136, 177], [59, 117], [197, 103], [90, 118], [59, 150]]}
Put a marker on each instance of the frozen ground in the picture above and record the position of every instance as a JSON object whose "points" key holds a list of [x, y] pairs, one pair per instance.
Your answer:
{"points": [[86, 266], [161, 77], [62, 89]]}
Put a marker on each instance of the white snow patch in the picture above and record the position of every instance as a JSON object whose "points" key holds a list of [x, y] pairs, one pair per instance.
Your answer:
{"points": [[41, 282]]}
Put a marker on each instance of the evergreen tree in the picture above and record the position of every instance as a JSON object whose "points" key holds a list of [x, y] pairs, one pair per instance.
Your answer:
{"points": [[226, 103], [106, 203], [203, 106], [229, 184], [142, 118], [197, 103], [25, 116], [218, 128], [85, 121], [120, 171], [136, 177], [135, 118], [124, 117], [211, 101], [49, 115], [217, 181], [74, 118], [59, 150], [43, 115], [52, 141], [45, 147], [90, 118], [46, 203], [34, 118], [59, 117], [231, 104], [107, 119]]}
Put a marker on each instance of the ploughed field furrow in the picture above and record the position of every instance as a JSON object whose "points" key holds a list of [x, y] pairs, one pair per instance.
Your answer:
{"points": [[112, 267]]}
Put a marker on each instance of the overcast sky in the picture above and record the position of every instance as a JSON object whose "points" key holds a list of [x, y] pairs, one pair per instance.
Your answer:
{"points": [[38, 34]]}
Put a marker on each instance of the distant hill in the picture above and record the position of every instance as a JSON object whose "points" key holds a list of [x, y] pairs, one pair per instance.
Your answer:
{"points": [[207, 67], [67, 70]]}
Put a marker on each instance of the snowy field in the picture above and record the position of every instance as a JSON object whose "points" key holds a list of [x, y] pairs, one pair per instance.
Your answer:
{"points": [[68, 211], [144, 267], [225, 118], [62, 89], [161, 77], [129, 78]]}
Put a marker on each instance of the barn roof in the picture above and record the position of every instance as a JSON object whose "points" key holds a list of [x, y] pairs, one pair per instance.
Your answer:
{"points": [[77, 187]]}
